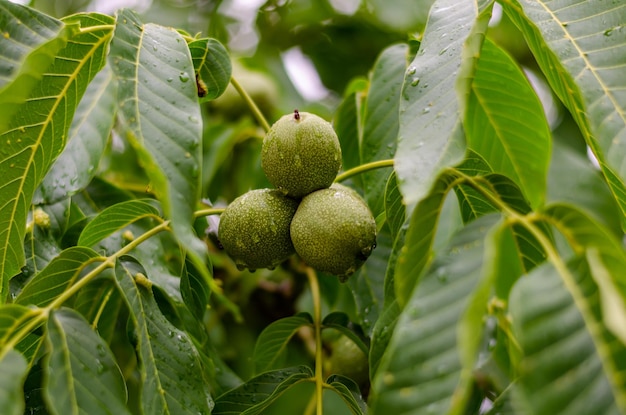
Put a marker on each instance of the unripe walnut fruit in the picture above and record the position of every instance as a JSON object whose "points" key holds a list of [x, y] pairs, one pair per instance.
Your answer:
{"points": [[334, 231], [254, 229], [301, 154]]}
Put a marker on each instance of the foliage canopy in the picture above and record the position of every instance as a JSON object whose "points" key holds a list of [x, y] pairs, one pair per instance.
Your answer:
{"points": [[487, 137]]}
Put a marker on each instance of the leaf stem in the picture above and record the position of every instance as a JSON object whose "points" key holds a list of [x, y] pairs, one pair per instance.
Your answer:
{"points": [[317, 323], [107, 262], [253, 107], [208, 212], [363, 168]]}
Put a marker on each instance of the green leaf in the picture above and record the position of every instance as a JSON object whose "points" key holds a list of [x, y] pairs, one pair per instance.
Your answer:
{"points": [[612, 299], [515, 140], [349, 391], [605, 253], [260, 392], [159, 107], [87, 137], [212, 66], [573, 179], [417, 250], [194, 292], [347, 124], [29, 44], [382, 334], [37, 133], [368, 283], [570, 363], [81, 375], [100, 303], [341, 322], [430, 137], [395, 212], [421, 368], [61, 273], [115, 218], [168, 361], [579, 47], [380, 121], [273, 340], [13, 317], [473, 204], [13, 371]]}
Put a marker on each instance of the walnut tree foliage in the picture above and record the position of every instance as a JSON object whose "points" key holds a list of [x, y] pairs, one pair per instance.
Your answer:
{"points": [[498, 284]]}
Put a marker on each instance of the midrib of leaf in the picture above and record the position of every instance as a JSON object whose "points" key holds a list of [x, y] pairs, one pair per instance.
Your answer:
{"points": [[595, 329], [583, 55], [34, 149]]}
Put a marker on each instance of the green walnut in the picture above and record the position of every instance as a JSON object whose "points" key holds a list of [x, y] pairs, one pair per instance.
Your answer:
{"points": [[334, 231], [254, 229], [301, 154], [347, 359]]}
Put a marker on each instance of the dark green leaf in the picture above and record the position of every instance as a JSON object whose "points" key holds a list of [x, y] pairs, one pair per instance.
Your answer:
{"points": [[168, 361], [349, 392], [100, 303], [382, 334], [570, 363], [13, 318], [87, 137], [347, 124], [341, 322], [61, 273], [13, 371], [115, 218], [212, 66], [368, 283], [273, 340], [38, 131], [380, 121], [81, 375], [421, 368], [505, 123], [194, 292], [260, 392], [394, 208]]}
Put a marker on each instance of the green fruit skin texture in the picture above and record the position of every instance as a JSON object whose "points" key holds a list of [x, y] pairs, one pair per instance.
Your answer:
{"points": [[301, 154], [348, 360], [334, 231], [254, 229]]}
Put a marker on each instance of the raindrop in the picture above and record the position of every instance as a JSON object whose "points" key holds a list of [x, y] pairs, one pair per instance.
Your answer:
{"points": [[609, 32], [411, 70], [415, 81], [170, 79], [184, 77], [426, 110], [99, 367], [154, 47], [100, 349], [193, 119]]}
